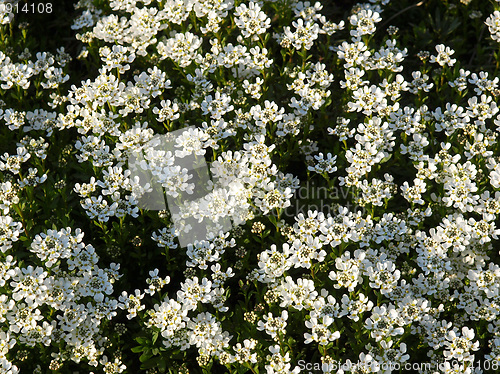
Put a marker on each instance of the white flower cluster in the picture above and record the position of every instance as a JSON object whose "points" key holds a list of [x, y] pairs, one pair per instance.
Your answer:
{"points": [[375, 142], [63, 302], [203, 331], [19, 74], [493, 23], [418, 263]]}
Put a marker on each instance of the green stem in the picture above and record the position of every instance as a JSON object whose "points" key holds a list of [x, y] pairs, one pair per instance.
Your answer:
{"points": [[23, 221]]}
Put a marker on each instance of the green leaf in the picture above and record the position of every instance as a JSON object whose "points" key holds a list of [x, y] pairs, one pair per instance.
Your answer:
{"points": [[387, 158], [151, 363], [137, 349], [146, 355], [162, 365], [141, 340]]}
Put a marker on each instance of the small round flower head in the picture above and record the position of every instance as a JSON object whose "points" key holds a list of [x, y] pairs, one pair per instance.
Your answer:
{"points": [[443, 56]]}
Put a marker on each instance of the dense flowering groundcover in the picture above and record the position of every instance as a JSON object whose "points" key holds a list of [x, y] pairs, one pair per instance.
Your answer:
{"points": [[351, 147]]}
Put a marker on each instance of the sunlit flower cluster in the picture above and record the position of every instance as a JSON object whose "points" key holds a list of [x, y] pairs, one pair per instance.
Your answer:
{"points": [[218, 115]]}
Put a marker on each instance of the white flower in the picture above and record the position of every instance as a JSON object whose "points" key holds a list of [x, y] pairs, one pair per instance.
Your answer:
{"points": [[364, 21], [273, 325], [217, 106], [191, 141], [493, 23], [367, 100], [384, 321], [278, 363], [354, 53], [273, 263], [245, 353], [132, 303], [495, 176], [458, 346], [251, 20], [192, 292], [384, 276], [305, 34], [9, 232], [169, 111], [414, 193], [17, 74], [182, 48], [324, 166], [320, 331], [443, 56], [300, 295]]}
